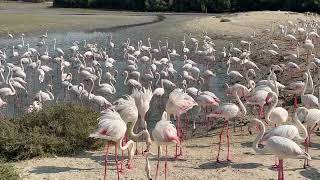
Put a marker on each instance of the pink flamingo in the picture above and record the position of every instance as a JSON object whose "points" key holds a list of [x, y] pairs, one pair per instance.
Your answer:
{"points": [[112, 128], [206, 99], [309, 100], [259, 94], [128, 111], [310, 117], [142, 100], [228, 111], [296, 88], [281, 147], [164, 133], [178, 104]]}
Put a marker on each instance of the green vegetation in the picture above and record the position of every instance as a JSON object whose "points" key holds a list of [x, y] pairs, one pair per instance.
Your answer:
{"points": [[195, 5], [58, 130], [8, 172], [34, 1]]}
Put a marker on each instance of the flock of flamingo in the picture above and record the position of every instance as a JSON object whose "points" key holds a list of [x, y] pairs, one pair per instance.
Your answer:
{"points": [[84, 73]]}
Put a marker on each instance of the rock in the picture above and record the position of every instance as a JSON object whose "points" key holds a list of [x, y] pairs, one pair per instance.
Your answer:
{"points": [[225, 20]]}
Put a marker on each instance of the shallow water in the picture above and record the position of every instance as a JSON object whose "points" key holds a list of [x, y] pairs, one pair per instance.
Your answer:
{"points": [[170, 26]]}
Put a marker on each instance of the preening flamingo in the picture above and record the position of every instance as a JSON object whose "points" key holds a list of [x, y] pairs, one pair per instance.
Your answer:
{"points": [[128, 111], [112, 128]]}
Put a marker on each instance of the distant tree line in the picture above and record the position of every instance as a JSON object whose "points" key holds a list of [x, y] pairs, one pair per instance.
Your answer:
{"points": [[209, 6]]}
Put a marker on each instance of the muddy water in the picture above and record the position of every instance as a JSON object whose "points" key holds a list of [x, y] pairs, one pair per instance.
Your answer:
{"points": [[165, 26]]}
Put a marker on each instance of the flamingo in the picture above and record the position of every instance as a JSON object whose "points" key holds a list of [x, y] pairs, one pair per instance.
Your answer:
{"points": [[309, 117], [178, 104], [228, 111], [276, 115], [281, 147], [128, 111], [112, 128], [142, 100], [164, 133], [309, 100]]}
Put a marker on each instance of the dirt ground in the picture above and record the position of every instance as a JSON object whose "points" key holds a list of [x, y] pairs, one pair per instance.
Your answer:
{"points": [[198, 162]]}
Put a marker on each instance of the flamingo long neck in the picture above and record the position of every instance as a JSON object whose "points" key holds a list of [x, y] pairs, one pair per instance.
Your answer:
{"points": [[50, 94], [149, 42], [8, 76], [130, 142], [275, 86], [258, 138], [113, 88], [99, 80], [147, 167], [310, 80], [2, 77], [229, 65], [21, 64], [299, 124], [133, 136], [196, 48], [248, 80], [157, 74], [13, 91], [273, 105], [22, 40], [305, 84], [242, 107], [319, 98], [91, 89], [125, 82], [159, 46]]}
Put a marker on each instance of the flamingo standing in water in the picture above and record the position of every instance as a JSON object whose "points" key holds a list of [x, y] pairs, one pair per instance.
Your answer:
{"points": [[228, 111], [164, 133], [281, 147], [112, 128]]}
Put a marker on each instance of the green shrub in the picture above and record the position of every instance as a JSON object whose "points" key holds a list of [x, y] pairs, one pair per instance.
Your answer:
{"points": [[8, 172], [58, 130]]}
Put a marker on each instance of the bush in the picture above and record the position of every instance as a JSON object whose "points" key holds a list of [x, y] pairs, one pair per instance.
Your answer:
{"points": [[8, 172], [195, 5], [58, 130]]}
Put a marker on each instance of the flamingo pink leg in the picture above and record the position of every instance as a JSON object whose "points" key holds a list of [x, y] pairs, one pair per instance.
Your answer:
{"points": [[307, 144], [295, 103], [118, 171], [179, 135], [228, 140], [136, 152], [186, 125], [280, 170], [158, 163], [166, 164], [121, 168], [220, 139], [261, 112], [106, 162]]}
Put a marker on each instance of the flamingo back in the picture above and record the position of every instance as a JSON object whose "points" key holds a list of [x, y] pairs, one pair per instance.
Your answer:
{"points": [[110, 127], [127, 109]]}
